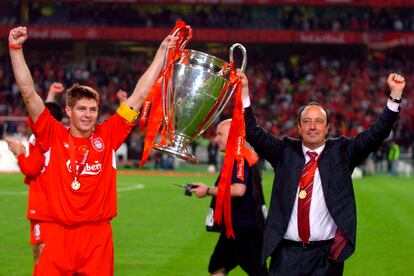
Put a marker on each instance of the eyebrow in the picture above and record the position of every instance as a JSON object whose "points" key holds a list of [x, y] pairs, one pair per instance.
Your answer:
{"points": [[83, 106]]}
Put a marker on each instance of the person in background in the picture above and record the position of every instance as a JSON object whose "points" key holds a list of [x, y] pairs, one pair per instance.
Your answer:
{"points": [[248, 215], [393, 158]]}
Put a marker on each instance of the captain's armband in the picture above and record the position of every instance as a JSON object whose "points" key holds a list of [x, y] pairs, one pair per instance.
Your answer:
{"points": [[127, 112]]}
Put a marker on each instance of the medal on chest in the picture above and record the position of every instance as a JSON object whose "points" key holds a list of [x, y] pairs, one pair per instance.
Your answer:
{"points": [[302, 194], [77, 169], [75, 185]]}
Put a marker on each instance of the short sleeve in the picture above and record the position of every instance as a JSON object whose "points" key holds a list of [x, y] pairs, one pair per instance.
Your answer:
{"points": [[118, 128], [44, 129], [31, 165], [235, 179]]}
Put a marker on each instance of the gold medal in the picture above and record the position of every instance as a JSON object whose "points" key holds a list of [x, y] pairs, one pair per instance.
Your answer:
{"points": [[75, 185], [302, 194]]}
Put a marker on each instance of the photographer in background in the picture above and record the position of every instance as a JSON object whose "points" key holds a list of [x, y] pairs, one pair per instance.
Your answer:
{"points": [[247, 207]]}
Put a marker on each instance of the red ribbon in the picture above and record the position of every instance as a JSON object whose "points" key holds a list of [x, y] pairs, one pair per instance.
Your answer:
{"points": [[234, 151], [144, 114], [154, 98]]}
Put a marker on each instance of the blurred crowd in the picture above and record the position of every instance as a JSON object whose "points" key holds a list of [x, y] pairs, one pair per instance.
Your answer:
{"points": [[287, 17], [353, 89]]}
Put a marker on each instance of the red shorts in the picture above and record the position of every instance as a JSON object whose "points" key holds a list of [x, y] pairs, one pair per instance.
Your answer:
{"points": [[38, 231], [86, 249]]}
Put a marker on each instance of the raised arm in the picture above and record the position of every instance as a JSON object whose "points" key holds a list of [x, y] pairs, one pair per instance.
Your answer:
{"points": [[264, 143], [371, 139], [54, 89], [24, 80], [146, 81]]}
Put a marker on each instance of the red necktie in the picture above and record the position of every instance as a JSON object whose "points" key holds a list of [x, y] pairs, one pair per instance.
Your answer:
{"points": [[305, 196]]}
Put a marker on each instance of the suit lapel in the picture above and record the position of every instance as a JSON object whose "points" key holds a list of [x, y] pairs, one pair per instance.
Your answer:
{"points": [[295, 168], [323, 166]]}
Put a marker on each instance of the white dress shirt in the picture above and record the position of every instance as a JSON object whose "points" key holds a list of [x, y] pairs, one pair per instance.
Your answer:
{"points": [[322, 226]]}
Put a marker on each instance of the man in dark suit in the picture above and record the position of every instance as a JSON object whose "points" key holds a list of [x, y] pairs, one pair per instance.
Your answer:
{"points": [[311, 226]]}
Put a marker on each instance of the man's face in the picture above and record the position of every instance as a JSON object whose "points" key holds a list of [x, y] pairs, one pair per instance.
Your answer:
{"points": [[222, 133], [313, 126], [83, 115]]}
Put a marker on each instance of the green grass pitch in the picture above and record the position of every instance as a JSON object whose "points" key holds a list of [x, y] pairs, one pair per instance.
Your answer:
{"points": [[159, 231]]}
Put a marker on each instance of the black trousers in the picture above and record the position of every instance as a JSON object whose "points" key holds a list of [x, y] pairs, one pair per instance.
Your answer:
{"points": [[244, 251], [293, 260]]}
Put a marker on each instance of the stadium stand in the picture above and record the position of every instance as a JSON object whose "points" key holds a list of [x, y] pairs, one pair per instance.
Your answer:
{"points": [[315, 50]]}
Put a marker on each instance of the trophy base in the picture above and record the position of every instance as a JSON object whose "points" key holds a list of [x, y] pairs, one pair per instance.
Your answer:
{"points": [[179, 154]]}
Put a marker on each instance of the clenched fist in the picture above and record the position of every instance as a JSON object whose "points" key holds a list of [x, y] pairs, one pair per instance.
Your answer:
{"points": [[18, 36], [56, 88], [396, 84], [121, 95]]}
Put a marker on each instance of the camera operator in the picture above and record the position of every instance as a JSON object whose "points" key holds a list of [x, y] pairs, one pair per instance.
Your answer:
{"points": [[247, 205]]}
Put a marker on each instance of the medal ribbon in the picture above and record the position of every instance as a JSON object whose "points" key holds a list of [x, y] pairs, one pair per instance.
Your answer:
{"points": [[77, 169]]}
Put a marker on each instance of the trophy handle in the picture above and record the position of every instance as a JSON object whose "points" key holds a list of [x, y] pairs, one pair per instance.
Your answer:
{"points": [[165, 97], [232, 90], [244, 53]]}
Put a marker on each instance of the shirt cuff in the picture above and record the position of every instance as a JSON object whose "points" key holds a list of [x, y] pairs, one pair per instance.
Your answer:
{"points": [[246, 102], [20, 156], [393, 106]]}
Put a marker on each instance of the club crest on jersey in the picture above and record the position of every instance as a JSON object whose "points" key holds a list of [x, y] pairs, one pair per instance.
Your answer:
{"points": [[98, 144]]}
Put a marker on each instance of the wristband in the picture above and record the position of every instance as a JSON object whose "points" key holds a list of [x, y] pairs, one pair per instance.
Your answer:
{"points": [[127, 112], [15, 46], [394, 100], [208, 190]]}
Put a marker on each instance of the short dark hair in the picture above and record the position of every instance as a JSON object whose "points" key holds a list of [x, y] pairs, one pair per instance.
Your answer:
{"points": [[77, 92], [301, 109], [55, 110]]}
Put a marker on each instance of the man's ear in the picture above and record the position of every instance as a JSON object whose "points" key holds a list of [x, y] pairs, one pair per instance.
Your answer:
{"points": [[68, 111]]}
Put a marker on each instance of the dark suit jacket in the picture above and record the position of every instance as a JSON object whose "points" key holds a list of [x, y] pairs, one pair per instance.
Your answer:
{"points": [[337, 161]]}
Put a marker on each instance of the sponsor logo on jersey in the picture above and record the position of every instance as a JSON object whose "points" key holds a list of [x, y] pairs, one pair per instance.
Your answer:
{"points": [[90, 168], [98, 144]]}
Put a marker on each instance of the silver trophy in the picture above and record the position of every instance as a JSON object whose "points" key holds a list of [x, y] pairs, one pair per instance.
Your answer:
{"points": [[196, 93]]}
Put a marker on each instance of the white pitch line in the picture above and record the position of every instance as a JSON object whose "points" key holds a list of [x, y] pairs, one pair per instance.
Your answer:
{"points": [[120, 190], [131, 188]]}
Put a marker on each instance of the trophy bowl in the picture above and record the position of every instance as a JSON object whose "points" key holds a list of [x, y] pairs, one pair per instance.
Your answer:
{"points": [[196, 93]]}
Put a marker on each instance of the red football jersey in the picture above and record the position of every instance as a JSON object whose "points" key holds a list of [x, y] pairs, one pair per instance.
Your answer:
{"points": [[95, 200], [32, 166]]}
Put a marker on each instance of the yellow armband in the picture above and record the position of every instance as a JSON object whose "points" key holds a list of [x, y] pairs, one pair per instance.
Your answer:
{"points": [[127, 112]]}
